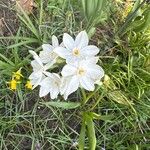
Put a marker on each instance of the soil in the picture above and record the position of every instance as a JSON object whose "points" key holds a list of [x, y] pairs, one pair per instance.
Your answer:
{"points": [[8, 18]]}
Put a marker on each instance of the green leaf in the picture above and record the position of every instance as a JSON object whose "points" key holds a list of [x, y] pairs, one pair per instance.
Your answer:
{"points": [[4, 65], [22, 43], [92, 10], [94, 115], [7, 60], [27, 21], [91, 132], [91, 32], [82, 135], [64, 105], [131, 16], [135, 6], [146, 21]]}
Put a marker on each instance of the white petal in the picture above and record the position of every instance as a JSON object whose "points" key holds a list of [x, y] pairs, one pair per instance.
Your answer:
{"points": [[92, 60], [49, 65], [81, 40], [36, 78], [46, 82], [87, 83], [36, 57], [68, 41], [52, 82], [54, 93], [64, 84], [45, 86], [62, 44], [47, 47], [55, 42], [62, 52], [57, 77], [95, 72], [73, 59], [35, 75], [45, 56], [43, 91], [90, 50], [73, 85], [88, 61], [36, 66], [68, 70]]}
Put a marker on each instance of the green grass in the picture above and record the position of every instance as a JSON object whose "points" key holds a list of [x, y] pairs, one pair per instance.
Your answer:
{"points": [[123, 102]]}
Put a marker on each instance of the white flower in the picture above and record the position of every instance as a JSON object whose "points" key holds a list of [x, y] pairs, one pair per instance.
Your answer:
{"points": [[50, 85], [48, 54], [80, 74], [39, 70], [77, 49]]}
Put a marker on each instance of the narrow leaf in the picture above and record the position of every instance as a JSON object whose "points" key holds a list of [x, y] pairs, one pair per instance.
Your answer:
{"points": [[64, 105], [91, 132], [82, 135]]}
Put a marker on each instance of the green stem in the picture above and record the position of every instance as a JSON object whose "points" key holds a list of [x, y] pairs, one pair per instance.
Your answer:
{"points": [[84, 96], [90, 96]]}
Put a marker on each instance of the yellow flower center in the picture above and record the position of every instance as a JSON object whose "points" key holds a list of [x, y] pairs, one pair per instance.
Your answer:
{"points": [[28, 85], [76, 52], [81, 71]]}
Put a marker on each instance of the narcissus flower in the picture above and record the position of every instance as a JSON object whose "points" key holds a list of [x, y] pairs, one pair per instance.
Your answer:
{"points": [[78, 49], [50, 85], [47, 54], [39, 70], [81, 69], [80, 74]]}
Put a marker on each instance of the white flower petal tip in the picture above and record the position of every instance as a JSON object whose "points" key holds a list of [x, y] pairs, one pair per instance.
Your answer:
{"points": [[47, 47], [62, 52], [55, 41], [68, 41], [81, 40], [32, 52]]}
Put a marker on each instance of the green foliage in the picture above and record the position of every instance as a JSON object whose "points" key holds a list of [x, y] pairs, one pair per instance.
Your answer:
{"points": [[114, 116], [137, 20], [87, 122], [141, 23], [64, 105], [95, 12]]}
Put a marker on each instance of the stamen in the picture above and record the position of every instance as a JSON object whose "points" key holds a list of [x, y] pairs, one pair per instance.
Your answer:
{"points": [[81, 71], [76, 52]]}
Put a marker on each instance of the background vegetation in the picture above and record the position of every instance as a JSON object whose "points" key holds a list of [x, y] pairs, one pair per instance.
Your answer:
{"points": [[121, 29]]}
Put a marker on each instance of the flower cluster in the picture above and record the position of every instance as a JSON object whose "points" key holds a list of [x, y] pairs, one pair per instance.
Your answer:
{"points": [[80, 69], [16, 79]]}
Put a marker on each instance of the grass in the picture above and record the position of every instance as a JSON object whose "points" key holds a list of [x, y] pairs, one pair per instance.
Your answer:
{"points": [[123, 101]]}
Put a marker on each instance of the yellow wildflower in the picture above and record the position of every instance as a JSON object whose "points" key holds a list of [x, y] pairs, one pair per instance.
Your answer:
{"points": [[28, 85], [13, 84], [17, 75]]}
